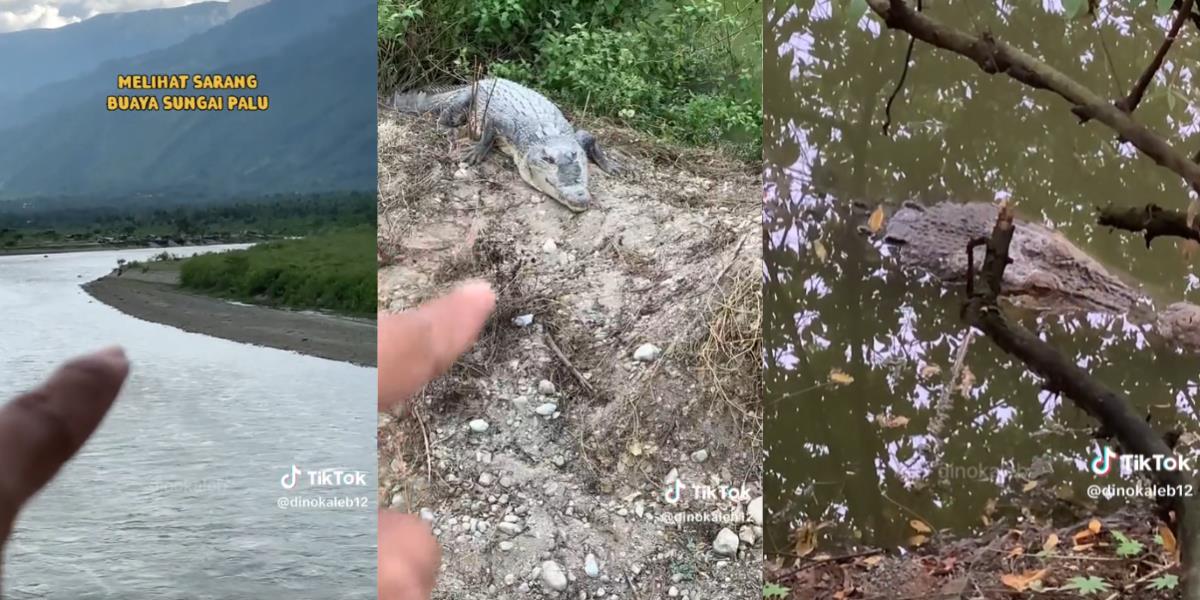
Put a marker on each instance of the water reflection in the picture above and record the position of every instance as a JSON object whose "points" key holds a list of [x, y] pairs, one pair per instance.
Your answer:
{"points": [[175, 494], [834, 300]]}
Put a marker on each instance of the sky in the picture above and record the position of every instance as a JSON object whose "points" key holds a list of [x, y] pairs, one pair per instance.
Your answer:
{"points": [[16, 15]]}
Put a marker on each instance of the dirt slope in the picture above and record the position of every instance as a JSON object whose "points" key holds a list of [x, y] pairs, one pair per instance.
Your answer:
{"points": [[582, 440]]}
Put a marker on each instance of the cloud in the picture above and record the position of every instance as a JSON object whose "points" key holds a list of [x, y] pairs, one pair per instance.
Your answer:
{"points": [[16, 15]]}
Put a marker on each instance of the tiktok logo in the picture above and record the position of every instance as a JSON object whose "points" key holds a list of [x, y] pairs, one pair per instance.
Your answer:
{"points": [[288, 481], [1102, 464], [671, 495]]}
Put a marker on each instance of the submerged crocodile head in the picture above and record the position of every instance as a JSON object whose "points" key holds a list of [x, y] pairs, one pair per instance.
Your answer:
{"points": [[557, 166], [1048, 272]]}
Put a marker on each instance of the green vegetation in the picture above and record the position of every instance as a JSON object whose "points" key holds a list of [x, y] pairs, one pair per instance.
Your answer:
{"points": [[688, 72], [333, 271], [64, 224]]}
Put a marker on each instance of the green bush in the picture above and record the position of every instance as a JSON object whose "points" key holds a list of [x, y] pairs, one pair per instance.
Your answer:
{"points": [[689, 72], [332, 271]]}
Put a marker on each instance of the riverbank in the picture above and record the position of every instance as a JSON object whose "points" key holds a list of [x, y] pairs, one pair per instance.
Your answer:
{"points": [[1121, 555], [154, 295], [622, 358]]}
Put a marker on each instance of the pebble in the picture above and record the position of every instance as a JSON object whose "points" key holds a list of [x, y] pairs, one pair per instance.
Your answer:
{"points": [[546, 387], [700, 455], [509, 528], [746, 534], [427, 515], [505, 545], [590, 566], [673, 592], [726, 543], [647, 353], [549, 247], [478, 425], [755, 509], [553, 576], [523, 320], [486, 479], [546, 409], [671, 477]]}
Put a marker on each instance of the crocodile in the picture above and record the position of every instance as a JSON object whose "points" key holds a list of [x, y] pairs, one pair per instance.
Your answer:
{"points": [[550, 154], [1048, 273]]}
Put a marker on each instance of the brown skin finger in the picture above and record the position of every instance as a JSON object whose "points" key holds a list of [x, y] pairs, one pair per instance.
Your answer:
{"points": [[418, 345], [408, 557], [43, 428]]}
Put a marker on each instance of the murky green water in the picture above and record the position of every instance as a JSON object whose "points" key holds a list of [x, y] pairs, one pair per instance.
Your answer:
{"points": [[961, 135]]}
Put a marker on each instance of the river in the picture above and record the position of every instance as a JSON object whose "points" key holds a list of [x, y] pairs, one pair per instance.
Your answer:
{"points": [[842, 455], [175, 496]]}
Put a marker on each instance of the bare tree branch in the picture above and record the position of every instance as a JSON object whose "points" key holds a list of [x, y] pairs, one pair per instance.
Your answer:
{"points": [[994, 56], [1150, 220], [1130, 102]]}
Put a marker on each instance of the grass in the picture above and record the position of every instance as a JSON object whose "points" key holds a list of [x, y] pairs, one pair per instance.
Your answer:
{"points": [[332, 271]]}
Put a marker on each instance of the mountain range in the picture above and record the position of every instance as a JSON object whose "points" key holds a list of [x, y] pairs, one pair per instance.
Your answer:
{"points": [[315, 61]]}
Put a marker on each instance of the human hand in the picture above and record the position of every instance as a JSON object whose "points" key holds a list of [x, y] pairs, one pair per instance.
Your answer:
{"points": [[43, 428], [414, 348]]}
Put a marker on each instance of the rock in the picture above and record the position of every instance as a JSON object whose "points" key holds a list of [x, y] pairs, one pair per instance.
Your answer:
{"points": [[590, 566], [486, 479], [478, 425], [755, 510], [549, 247], [427, 515], [700, 455], [553, 576], [673, 591], [522, 320], [546, 387], [671, 477], [510, 528], [647, 353], [726, 543], [505, 545], [546, 409], [746, 534]]}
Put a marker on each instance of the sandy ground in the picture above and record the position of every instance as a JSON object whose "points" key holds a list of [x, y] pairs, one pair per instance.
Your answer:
{"points": [[542, 459], [155, 296]]}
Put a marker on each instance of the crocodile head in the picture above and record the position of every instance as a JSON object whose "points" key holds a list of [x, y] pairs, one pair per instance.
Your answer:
{"points": [[558, 168]]}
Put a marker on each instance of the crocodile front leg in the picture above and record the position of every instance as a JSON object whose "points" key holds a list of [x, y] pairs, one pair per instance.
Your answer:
{"points": [[592, 148], [486, 139]]}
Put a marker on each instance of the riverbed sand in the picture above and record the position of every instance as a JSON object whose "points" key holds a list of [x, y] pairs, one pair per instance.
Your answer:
{"points": [[156, 297]]}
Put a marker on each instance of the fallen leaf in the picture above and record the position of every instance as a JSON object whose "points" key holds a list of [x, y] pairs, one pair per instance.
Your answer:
{"points": [[1192, 210], [891, 422], [635, 448], [1168, 538], [1015, 552], [1082, 547], [919, 526], [871, 561], [875, 223], [930, 371], [1051, 543], [819, 250], [917, 540], [1028, 487], [805, 540], [840, 377], [966, 383], [1094, 526], [1022, 582]]}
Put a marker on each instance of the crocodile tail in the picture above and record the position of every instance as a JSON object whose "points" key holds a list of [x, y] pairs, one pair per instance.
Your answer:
{"points": [[428, 100]]}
